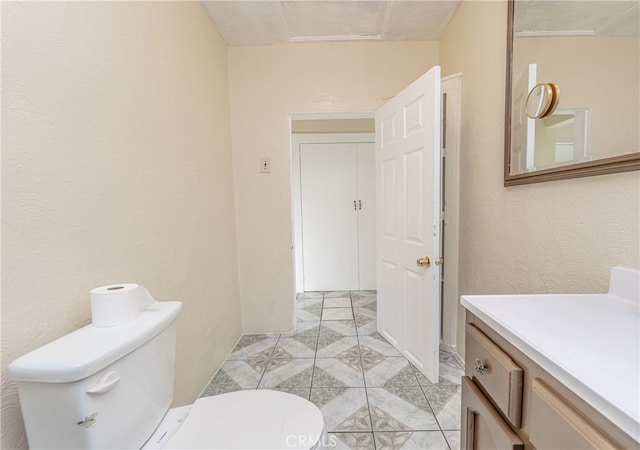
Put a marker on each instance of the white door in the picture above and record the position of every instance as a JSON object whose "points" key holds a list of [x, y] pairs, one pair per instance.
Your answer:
{"points": [[366, 216], [329, 216], [408, 212]]}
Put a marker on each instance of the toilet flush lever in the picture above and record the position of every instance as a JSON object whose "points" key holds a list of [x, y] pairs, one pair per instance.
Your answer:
{"points": [[106, 382]]}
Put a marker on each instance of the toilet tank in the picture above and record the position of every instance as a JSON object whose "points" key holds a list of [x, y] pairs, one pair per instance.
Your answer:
{"points": [[100, 388]]}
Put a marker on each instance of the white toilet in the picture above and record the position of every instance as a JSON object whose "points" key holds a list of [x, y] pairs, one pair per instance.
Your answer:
{"points": [[108, 388]]}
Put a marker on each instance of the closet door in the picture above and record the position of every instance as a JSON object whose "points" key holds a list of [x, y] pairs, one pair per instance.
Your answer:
{"points": [[328, 174], [366, 215]]}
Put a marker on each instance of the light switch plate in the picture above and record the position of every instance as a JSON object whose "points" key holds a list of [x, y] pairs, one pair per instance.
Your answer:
{"points": [[265, 165]]}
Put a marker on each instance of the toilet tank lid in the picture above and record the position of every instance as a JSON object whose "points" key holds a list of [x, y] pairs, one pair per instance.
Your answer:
{"points": [[84, 352]]}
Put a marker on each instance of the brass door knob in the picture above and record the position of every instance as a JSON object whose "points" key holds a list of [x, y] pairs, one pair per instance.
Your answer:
{"points": [[423, 262]]}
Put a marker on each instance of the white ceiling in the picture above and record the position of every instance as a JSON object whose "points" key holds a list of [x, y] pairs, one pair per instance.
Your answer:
{"points": [[600, 18], [263, 22]]}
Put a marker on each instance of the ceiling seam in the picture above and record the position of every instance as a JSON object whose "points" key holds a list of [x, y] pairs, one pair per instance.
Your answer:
{"points": [[385, 21], [284, 22]]}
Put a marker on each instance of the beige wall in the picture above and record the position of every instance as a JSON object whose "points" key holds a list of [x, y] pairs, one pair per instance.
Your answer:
{"points": [[561, 236], [268, 84], [116, 167]]}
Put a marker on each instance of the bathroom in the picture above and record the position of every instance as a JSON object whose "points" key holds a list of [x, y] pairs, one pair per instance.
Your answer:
{"points": [[131, 141]]}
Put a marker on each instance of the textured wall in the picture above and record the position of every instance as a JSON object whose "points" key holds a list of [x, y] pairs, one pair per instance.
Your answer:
{"points": [[116, 167], [561, 236], [268, 84]]}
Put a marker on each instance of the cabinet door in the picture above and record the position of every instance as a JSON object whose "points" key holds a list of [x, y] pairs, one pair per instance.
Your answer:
{"points": [[555, 424], [328, 174], [482, 426]]}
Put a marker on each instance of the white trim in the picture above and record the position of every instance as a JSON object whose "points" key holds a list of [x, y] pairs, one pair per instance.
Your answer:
{"points": [[453, 313], [360, 115], [340, 37], [451, 77], [553, 33]]}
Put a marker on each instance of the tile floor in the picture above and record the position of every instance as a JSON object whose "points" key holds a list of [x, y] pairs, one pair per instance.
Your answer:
{"points": [[370, 395]]}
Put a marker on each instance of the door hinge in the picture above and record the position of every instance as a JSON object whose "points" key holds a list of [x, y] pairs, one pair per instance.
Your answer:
{"points": [[443, 152]]}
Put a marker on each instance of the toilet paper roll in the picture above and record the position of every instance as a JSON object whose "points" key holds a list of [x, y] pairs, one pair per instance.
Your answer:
{"points": [[117, 304]]}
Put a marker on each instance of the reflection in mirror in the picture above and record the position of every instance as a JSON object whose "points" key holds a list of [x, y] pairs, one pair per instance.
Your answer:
{"points": [[542, 100], [591, 50], [538, 101]]}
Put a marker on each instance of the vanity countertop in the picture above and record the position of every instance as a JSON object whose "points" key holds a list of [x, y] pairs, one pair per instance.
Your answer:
{"points": [[590, 343]]}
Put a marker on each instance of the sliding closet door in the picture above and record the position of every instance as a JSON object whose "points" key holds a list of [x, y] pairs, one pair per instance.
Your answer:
{"points": [[329, 216], [367, 215]]}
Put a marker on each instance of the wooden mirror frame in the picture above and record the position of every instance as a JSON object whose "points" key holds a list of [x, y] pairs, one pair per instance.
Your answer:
{"points": [[614, 164]]}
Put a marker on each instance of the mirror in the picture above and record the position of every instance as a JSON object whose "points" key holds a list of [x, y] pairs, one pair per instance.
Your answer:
{"points": [[585, 55]]}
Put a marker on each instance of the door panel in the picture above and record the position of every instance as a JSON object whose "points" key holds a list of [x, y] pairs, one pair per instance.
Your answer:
{"points": [[388, 207], [329, 219], [555, 424], [366, 155], [413, 118], [414, 197], [415, 310], [388, 314], [408, 192]]}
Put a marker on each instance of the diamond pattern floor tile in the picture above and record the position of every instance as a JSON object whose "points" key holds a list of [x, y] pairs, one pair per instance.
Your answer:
{"points": [[338, 372], [337, 314], [303, 392], [337, 294], [371, 397], [304, 329], [343, 409], [453, 439], [350, 441], [375, 342], [295, 347], [415, 440], [337, 302], [388, 371], [330, 347], [366, 322], [288, 373], [400, 409], [449, 414], [338, 328], [235, 376], [312, 294], [251, 344]]}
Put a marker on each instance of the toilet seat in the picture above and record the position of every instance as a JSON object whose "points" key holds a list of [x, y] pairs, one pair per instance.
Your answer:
{"points": [[251, 419]]}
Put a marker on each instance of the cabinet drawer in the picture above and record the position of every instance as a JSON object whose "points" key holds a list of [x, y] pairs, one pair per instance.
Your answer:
{"points": [[496, 372], [482, 427], [555, 424]]}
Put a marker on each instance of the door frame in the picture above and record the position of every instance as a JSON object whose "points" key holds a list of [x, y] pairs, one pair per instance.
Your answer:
{"points": [[453, 313], [296, 198]]}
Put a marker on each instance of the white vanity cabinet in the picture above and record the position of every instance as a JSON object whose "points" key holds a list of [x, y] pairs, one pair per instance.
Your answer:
{"points": [[553, 372]]}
